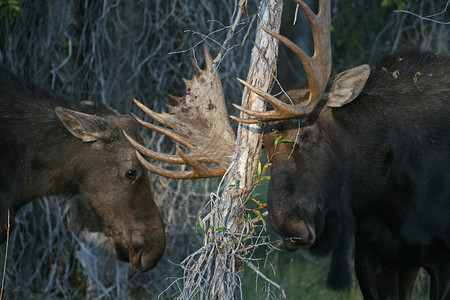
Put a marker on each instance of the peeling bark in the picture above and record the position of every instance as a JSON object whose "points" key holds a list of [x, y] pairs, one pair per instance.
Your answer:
{"points": [[215, 270]]}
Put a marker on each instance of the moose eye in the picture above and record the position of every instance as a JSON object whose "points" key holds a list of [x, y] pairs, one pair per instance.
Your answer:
{"points": [[131, 174], [304, 137], [307, 140]]}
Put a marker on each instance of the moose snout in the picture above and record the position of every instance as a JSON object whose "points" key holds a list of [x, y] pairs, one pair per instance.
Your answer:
{"points": [[142, 254], [298, 233], [295, 225]]}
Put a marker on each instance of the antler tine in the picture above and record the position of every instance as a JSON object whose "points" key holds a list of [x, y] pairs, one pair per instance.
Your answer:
{"points": [[201, 172], [208, 58], [161, 171], [167, 132], [155, 116], [317, 67], [199, 122], [174, 159], [282, 110], [198, 170]]}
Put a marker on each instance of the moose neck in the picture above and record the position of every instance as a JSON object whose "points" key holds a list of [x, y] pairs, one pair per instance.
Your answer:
{"points": [[41, 155], [50, 164], [353, 147]]}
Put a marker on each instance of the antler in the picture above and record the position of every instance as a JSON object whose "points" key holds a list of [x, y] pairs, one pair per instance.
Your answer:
{"points": [[317, 68], [199, 122]]}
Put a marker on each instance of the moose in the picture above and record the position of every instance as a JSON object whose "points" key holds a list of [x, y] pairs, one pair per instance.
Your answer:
{"points": [[365, 159], [52, 145]]}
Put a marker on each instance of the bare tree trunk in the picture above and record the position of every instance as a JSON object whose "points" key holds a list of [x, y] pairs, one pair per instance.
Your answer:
{"points": [[215, 270]]}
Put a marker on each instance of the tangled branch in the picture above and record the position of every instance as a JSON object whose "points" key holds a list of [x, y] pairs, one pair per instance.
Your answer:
{"points": [[430, 18]]}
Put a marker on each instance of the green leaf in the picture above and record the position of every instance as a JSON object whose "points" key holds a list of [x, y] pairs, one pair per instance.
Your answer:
{"points": [[282, 139], [258, 213], [221, 228], [235, 183], [265, 168], [202, 224], [259, 169], [286, 140], [275, 144]]}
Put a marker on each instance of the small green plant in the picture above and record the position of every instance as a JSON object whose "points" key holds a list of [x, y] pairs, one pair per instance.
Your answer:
{"points": [[399, 3], [260, 177]]}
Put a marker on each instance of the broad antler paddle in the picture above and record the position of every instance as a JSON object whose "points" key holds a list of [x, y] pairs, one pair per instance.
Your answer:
{"points": [[199, 122], [317, 68]]}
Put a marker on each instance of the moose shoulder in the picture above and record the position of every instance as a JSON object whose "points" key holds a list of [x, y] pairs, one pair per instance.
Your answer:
{"points": [[50, 145]]}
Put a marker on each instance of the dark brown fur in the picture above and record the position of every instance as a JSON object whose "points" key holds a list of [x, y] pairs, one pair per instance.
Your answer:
{"points": [[39, 157], [376, 169]]}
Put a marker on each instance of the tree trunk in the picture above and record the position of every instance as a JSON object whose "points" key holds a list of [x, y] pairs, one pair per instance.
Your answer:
{"points": [[215, 270]]}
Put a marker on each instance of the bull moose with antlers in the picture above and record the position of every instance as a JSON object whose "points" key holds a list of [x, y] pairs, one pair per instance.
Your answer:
{"points": [[369, 162], [51, 145]]}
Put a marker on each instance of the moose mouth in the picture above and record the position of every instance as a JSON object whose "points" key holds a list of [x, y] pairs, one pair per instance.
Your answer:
{"points": [[141, 261], [301, 234], [292, 244]]}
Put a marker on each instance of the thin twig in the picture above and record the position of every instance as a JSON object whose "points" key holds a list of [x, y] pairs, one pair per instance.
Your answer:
{"points": [[230, 35], [6, 256], [257, 271], [428, 18]]}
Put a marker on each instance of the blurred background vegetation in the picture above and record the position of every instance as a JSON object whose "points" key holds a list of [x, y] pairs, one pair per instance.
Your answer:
{"points": [[115, 50]]}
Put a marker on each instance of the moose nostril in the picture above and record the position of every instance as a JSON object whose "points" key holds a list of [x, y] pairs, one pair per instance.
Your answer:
{"points": [[137, 262], [121, 251]]}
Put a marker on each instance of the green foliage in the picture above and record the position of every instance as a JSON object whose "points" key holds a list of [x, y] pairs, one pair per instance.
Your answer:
{"points": [[400, 4], [281, 139], [356, 28], [201, 224], [11, 8], [364, 31], [257, 202]]}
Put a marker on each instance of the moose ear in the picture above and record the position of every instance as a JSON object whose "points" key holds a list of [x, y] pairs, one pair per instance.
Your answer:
{"points": [[348, 85], [83, 126]]}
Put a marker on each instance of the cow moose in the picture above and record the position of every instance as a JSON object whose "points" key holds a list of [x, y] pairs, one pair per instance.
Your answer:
{"points": [[368, 162], [51, 145]]}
